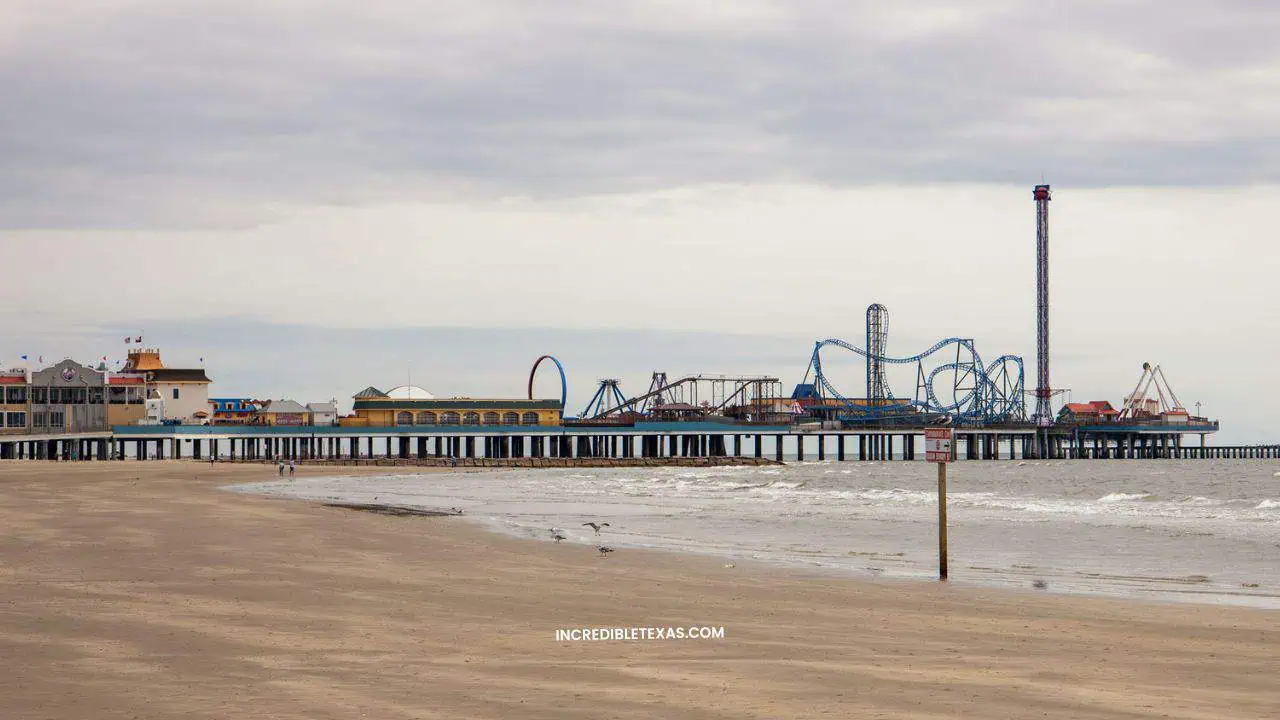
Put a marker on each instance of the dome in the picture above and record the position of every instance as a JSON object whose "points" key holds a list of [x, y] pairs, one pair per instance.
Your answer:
{"points": [[409, 392]]}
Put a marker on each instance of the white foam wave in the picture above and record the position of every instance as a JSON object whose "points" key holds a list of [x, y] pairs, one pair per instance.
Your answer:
{"points": [[1123, 497], [1268, 505]]}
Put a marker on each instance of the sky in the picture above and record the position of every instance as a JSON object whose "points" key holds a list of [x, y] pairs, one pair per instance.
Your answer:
{"points": [[315, 197]]}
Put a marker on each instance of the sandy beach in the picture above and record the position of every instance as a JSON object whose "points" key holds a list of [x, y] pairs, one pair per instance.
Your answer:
{"points": [[142, 590]]}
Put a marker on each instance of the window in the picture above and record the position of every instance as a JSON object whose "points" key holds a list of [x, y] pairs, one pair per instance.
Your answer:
{"points": [[57, 419], [471, 418], [426, 418], [16, 395], [40, 396], [511, 418], [15, 419], [38, 420], [117, 395], [95, 396], [175, 393], [530, 418], [449, 418], [68, 396], [404, 417], [491, 418]]}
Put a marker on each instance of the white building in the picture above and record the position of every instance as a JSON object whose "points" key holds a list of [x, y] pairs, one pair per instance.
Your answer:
{"points": [[323, 413], [185, 391]]}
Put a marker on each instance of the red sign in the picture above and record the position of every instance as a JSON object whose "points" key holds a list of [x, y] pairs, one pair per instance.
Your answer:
{"points": [[937, 445]]}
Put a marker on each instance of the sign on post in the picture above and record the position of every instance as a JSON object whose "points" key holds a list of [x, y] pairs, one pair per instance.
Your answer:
{"points": [[937, 449], [937, 445]]}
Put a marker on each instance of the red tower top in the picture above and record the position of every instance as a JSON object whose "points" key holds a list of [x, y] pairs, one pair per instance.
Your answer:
{"points": [[1041, 192]]}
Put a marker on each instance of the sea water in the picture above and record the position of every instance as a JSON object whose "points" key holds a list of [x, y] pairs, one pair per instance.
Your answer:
{"points": [[1198, 530]]}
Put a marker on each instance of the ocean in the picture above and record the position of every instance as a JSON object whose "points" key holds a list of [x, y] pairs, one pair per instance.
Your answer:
{"points": [[1167, 530]]}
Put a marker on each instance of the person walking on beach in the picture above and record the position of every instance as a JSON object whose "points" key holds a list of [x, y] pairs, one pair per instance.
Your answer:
{"points": [[293, 467], [280, 467]]}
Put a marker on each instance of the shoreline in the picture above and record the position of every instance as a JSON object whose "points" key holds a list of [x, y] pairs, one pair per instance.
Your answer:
{"points": [[662, 523], [148, 591]]}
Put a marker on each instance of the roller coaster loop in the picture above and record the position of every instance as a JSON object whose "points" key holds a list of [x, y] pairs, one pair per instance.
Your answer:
{"points": [[564, 385], [984, 394]]}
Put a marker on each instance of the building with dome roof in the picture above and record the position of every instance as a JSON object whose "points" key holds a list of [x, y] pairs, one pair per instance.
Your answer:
{"points": [[409, 392], [412, 405]]}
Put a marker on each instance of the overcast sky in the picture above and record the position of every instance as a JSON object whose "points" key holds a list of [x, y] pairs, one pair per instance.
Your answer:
{"points": [[269, 182]]}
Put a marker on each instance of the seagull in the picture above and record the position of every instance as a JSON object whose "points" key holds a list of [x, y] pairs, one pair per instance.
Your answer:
{"points": [[557, 536], [1039, 584], [456, 511], [595, 527], [604, 549]]}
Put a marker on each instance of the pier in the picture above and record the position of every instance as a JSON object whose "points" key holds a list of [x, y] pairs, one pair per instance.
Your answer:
{"points": [[641, 441]]}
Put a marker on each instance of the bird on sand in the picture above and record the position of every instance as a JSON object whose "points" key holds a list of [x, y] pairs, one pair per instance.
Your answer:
{"points": [[456, 511], [604, 549], [1039, 584], [557, 536], [594, 526]]}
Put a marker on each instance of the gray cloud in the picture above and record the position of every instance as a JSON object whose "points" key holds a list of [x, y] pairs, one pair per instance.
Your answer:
{"points": [[196, 114]]}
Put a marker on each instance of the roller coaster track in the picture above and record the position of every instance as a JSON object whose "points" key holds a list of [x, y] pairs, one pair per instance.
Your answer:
{"points": [[982, 394]]}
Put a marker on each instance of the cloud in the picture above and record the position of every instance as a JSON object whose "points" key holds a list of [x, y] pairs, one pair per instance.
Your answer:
{"points": [[200, 114]]}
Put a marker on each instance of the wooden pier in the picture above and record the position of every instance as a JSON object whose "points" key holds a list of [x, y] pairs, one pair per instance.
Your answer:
{"points": [[652, 441]]}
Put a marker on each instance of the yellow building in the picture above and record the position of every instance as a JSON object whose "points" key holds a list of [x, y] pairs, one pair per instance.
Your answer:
{"points": [[283, 412], [411, 405]]}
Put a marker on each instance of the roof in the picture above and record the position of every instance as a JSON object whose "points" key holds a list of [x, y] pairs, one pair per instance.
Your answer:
{"points": [[283, 406], [13, 380], [144, 359], [369, 392], [1099, 407], [409, 392], [325, 407], [178, 375], [674, 407], [454, 404], [124, 379]]}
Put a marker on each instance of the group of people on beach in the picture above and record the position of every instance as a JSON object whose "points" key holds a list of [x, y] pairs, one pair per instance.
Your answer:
{"points": [[293, 468]]}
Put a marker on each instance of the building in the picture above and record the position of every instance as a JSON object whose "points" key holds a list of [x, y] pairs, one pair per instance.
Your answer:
{"points": [[411, 405], [68, 397], [185, 391], [126, 398], [1092, 412], [282, 412], [232, 411], [323, 413], [15, 406]]}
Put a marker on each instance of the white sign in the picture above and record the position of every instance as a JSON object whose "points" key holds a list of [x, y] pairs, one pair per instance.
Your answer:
{"points": [[937, 445]]}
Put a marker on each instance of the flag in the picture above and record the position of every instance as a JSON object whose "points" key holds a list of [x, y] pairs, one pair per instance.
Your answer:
{"points": [[201, 359], [128, 340], [24, 357], [138, 339], [41, 359]]}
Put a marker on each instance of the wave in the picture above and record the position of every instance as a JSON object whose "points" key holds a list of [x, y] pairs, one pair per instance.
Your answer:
{"points": [[1268, 505], [1123, 497]]}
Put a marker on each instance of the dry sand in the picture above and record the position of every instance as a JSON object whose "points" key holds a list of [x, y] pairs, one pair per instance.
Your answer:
{"points": [[140, 590]]}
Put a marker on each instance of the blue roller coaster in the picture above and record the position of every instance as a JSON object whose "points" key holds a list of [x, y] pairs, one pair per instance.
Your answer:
{"points": [[978, 394]]}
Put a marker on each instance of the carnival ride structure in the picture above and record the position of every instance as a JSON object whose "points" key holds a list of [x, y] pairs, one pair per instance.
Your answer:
{"points": [[975, 394]]}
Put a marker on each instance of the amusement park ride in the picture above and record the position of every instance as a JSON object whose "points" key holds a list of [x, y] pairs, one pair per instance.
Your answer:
{"points": [[953, 384]]}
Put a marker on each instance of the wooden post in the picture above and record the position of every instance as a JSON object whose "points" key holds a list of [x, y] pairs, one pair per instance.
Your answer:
{"points": [[939, 449], [942, 521]]}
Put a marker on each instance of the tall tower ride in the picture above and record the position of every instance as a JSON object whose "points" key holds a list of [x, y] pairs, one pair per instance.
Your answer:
{"points": [[877, 339], [1044, 409]]}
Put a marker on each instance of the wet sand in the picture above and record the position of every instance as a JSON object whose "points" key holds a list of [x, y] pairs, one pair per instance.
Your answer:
{"points": [[140, 590]]}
